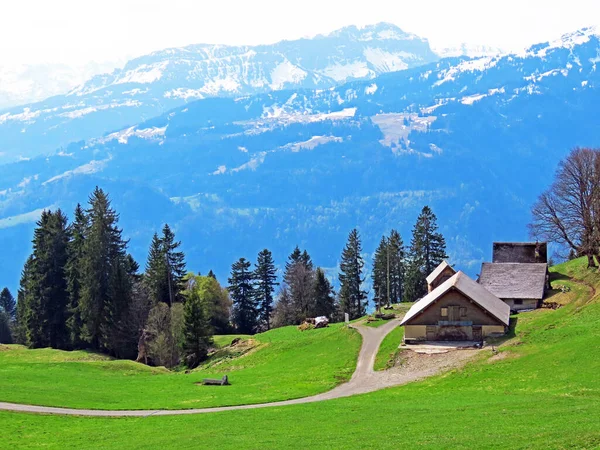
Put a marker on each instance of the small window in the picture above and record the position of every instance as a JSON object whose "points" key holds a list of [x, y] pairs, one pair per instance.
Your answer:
{"points": [[518, 302], [463, 312], [444, 312]]}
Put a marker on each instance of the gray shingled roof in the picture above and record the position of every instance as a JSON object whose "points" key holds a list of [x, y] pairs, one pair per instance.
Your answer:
{"points": [[514, 281], [438, 270], [469, 288]]}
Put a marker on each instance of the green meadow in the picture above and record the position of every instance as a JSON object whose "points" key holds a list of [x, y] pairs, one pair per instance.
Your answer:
{"points": [[283, 363], [542, 390]]}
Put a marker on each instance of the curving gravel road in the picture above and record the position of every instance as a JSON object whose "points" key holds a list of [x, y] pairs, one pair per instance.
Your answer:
{"points": [[364, 379]]}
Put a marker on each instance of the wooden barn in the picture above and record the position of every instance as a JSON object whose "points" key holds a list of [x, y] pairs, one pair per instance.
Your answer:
{"points": [[442, 273], [459, 309], [518, 274], [520, 286]]}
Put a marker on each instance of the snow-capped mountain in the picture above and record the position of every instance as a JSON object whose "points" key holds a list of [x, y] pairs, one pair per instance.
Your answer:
{"points": [[476, 139], [21, 84], [469, 50], [155, 83]]}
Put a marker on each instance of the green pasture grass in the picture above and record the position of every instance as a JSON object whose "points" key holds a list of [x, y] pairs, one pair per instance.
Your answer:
{"points": [[541, 391], [286, 363], [388, 350]]}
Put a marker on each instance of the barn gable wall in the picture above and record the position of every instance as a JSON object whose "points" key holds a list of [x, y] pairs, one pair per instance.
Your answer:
{"points": [[446, 274], [474, 313]]}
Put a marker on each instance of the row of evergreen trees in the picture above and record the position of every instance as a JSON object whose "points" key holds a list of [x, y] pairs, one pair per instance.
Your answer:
{"points": [[305, 292], [399, 272], [81, 289]]}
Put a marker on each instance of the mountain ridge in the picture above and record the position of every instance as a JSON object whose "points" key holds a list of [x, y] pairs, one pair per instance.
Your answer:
{"points": [[476, 139]]}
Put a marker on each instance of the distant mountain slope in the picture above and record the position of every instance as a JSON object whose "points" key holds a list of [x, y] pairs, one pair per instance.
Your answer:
{"points": [[475, 139], [22, 84], [152, 84]]}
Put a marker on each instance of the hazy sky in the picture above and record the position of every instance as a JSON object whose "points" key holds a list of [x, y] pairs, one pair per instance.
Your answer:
{"points": [[76, 31]]}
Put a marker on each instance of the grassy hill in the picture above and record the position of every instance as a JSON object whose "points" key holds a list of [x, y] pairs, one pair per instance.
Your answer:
{"points": [[280, 364], [542, 391]]}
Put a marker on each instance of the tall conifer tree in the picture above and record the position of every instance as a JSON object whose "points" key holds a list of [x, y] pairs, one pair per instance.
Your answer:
{"points": [[156, 276], [8, 305], [381, 273], [47, 302], [165, 268], [73, 270], [175, 263], [428, 250], [105, 293], [397, 256], [245, 315], [265, 276], [353, 299], [323, 295]]}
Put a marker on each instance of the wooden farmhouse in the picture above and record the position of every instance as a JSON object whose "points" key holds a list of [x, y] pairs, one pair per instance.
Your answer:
{"points": [[459, 309], [519, 274], [442, 273]]}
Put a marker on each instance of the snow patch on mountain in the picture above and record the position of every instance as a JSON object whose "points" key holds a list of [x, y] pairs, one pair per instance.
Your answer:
{"points": [[144, 74], [122, 137], [93, 166], [91, 109], [253, 164], [312, 143], [27, 116], [340, 72], [385, 61], [220, 170], [28, 217], [471, 99], [473, 65], [284, 73], [372, 89]]}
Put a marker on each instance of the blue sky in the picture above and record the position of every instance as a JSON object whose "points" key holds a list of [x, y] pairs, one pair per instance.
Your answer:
{"points": [[77, 31]]}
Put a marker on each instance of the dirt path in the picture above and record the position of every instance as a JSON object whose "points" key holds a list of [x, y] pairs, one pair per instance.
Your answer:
{"points": [[364, 379]]}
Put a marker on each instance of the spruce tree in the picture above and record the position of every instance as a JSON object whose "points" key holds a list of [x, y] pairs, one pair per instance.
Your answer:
{"points": [[381, 274], [245, 316], [175, 263], [428, 250], [265, 278], [165, 268], [197, 330], [24, 296], [397, 255], [5, 331], [8, 305], [353, 299], [47, 305], [156, 276], [105, 291], [306, 260], [8, 310], [73, 270], [211, 274], [294, 258], [323, 295]]}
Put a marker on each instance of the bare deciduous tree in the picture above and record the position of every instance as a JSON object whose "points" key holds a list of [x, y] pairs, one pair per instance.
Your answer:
{"points": [[568, 213]]}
